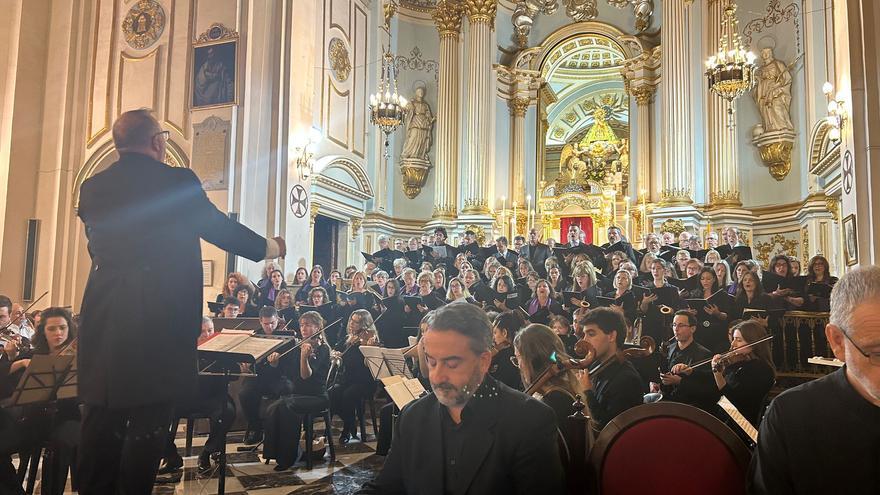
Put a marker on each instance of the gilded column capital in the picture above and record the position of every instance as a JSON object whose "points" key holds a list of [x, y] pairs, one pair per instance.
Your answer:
{"points": [[644, 93], [447, 17], [720, 199], [481, 11], [519, 105]]}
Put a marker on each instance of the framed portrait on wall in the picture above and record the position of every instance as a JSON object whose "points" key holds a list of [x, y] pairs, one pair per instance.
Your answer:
{"points": [[214, 74], [850, 240], [207, 273]]}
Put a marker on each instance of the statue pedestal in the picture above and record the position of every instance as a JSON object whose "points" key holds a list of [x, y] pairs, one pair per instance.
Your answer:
{"points": [[415, 174], [775, 148]]}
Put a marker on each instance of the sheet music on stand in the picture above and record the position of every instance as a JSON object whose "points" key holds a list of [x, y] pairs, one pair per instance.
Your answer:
{"points": [[403, 390], [47, 378], [384, 362], [738, 418], [240, 347]]}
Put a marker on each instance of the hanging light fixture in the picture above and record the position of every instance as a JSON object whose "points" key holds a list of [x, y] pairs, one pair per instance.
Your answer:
{"points": [[731, 71], [386, 105]]}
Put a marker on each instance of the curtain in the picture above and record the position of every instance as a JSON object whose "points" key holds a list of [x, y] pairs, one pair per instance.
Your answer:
{"points": [[585, 223]]}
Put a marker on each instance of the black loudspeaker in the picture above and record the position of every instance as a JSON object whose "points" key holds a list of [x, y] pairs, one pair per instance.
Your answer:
{"points": [[30, 259], [230, 258]]}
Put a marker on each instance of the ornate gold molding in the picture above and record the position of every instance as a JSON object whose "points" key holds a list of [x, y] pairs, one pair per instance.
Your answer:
{"points": [[314, 208], [355, 226], [475, 206], [447, 17], [479, 231], [786, 246], [775, 148], [444, 212], [805, 253], [674, 226], [519, 105], [339, 60], [671, 197], [482, 11], [833, 205], [415, 174], [217, 32], [644, 93], [143, 24], [718, 199]]}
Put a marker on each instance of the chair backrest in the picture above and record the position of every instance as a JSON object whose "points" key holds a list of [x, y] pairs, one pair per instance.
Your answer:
{"points": [[667, 447]]}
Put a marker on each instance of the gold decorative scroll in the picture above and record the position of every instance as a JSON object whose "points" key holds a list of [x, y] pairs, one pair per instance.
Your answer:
{"points": [[414, 178]]}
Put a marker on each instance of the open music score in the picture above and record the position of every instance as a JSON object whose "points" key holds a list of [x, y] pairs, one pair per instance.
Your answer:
{"points": [[737, 417], [403, 390], [826, 361], [243, 346]]}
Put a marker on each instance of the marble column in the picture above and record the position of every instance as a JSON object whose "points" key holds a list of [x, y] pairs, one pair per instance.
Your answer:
{"points": [[518, 107], [677, 167], [447, 16], [644, 96], [480, 98], [723, 156]]}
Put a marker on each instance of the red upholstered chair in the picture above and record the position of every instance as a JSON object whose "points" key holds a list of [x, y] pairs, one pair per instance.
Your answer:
{"points": [[667, 447]]}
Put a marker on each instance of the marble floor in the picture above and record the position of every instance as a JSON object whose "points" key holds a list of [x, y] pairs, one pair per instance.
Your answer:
{"points": [[355, 463]]}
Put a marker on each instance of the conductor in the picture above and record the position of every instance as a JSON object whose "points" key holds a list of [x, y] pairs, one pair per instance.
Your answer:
{"points": [[144, 221]]}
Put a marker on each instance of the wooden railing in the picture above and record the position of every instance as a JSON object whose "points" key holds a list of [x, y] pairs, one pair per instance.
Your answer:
{"points": [[802, 337]]}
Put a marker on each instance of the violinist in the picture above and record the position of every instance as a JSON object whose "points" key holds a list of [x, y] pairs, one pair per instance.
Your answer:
{"points": [[353, 383], [618, 386], [561, 325], [533, 347], [306, 368], [504, 328], [746, 376], [693, 386], [59, 426]]}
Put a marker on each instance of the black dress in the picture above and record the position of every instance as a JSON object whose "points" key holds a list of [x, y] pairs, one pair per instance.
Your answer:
{"points": [[711, 331], [284, 419], [503, 370], [355, 383], [748, 384]]}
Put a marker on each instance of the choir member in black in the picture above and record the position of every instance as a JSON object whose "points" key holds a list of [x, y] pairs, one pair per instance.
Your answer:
{"points": [[478, 289], [269, 382], [819, 284], [795, 266], [391, 325], [505, 256], [408, 286], [379, 278], [316, 279], [265, 281], [231, 307], [584, 283], [535, 252], [681, 259], [747, 376], [300, 277], [286, 309], [504, 328], [722, 271], [645, 276], [211, 401], [385, 256], [788, 298], [232, 282], [655, 322], [505, 297], [554, 276], [34, 426], [541, 307], [441, 252], [360, 296], [612, 262], [712, 319], [439, 282], [738, 271], [353, 383], [615, 235], [306, 368], [832, 424], [246, 306], [425, 290], [750, 295], [619, 386], [680, 382], [470, 247], [562, 326], [533, 347], [523, 268], [624, 293], [473, 434]]}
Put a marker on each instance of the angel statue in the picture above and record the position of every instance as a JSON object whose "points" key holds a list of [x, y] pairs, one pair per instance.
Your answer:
{"points": [[773, 93], [570, 164], [419, 124]]}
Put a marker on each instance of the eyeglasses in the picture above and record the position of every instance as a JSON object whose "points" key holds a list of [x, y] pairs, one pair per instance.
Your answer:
{"points": [[681, 325], [166, 135], [873, 357], [514, 361]]}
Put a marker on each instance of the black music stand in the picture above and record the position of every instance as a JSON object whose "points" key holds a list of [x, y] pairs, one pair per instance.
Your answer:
{"points": [[226, 357], [46, 379]]}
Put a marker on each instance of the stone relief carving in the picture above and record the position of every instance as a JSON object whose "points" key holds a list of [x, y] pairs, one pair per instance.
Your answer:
{"points": [[339, 60]]}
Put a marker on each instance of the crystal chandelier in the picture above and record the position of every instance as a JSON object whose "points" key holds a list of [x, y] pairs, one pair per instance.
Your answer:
{"points": [[731, 71], [386, 105]]}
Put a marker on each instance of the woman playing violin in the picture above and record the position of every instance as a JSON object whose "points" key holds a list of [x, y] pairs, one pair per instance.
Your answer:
{"points": [[505, 326], [746, 376], [354, 382]]}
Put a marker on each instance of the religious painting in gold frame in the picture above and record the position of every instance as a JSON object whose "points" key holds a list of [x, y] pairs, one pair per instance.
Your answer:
{"points": [[215, 69], [850, 240]]}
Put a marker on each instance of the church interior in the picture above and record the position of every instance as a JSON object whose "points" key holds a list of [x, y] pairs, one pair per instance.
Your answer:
{"points": [[351, 126]]}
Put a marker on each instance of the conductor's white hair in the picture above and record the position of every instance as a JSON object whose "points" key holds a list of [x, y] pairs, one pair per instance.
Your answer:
{"points": [[855, 288]]}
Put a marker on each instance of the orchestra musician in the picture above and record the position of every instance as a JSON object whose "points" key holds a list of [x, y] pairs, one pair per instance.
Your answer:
{"points": [[473, 435], [143, 220], [563, 328], [269, 382], [746, 376], [831, 424], [353, 383], [619, 386], [505, 326], [305, 368]]}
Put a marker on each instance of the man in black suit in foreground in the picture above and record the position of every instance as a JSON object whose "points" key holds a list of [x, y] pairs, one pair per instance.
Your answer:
{"points": [[144, 221], [473, 435]]}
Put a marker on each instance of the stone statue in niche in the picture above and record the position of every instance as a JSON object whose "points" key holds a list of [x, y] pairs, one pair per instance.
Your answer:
{"points": [[773, 93], [419, 122]]}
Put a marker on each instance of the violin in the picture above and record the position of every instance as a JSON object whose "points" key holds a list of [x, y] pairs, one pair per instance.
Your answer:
{"points": [[730, 359]]}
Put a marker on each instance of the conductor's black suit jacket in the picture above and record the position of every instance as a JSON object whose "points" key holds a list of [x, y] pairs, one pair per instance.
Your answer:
{"points": [[142, 307], [514, 449]]}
